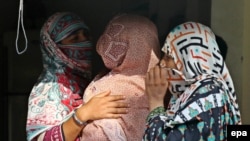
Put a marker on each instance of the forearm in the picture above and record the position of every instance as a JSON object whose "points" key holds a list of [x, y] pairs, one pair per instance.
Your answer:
{"points": [[71, 127], [53, 134], [155, 102], [71, 130], [153, 105], [68, 131]]}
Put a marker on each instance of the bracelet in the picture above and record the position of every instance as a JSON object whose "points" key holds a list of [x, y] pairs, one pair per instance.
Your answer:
{"points": [[78, 121]]}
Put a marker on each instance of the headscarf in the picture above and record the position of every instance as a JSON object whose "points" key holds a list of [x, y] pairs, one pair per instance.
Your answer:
{"points": [[129, 47], [197, 57], [66, 73]]}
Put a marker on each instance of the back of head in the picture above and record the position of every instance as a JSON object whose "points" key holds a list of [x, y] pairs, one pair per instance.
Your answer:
{"points": [[129, 44]]}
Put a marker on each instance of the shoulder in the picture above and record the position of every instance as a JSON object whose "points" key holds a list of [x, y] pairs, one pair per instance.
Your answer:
{"points": [[209, 85]]}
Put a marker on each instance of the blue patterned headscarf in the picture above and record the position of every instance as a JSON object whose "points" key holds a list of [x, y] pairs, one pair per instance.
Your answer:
{"points": [[66, 73], [64, 25], [75, 56]]}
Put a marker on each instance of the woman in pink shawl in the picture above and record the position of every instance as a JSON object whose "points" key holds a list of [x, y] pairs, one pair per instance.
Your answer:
{"points": [[129, 47]]}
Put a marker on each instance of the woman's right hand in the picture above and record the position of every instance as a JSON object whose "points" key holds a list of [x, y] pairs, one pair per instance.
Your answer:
{"points": [[102, 106]]}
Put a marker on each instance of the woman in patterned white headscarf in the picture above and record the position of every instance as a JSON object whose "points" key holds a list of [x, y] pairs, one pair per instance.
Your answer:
{"points": [[129, 47], [66, 50], [203, 100]]}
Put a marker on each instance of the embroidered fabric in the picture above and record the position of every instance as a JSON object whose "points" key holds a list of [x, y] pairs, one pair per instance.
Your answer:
{"points": [[129, 47]]}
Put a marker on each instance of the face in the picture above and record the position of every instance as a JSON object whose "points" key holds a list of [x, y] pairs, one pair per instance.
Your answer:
{"points": [[167, 62], [75, 37]]}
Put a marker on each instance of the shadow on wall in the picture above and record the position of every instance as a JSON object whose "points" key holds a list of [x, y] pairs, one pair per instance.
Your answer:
{"points": [[17, 107]]}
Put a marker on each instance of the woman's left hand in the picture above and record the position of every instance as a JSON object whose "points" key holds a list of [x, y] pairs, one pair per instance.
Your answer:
{"points": [[103, 105], [156, 86]]}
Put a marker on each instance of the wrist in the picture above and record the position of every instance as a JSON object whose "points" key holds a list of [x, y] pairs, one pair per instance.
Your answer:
{"points": [[78, 120], [155, 104]]}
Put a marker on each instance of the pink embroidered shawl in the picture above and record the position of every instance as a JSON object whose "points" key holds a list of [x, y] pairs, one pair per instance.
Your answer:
{"points": [[129, 47]]}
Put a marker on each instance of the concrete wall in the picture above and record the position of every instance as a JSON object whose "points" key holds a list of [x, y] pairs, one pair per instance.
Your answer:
{"points": [[246, 65], [230, 19]]}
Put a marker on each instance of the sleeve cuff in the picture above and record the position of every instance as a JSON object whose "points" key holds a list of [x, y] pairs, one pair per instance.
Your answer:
{"points": [[155, 112]]}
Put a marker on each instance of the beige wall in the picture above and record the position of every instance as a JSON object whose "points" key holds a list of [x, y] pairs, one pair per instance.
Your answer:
{"points": [[230, 19], [246, 64]]}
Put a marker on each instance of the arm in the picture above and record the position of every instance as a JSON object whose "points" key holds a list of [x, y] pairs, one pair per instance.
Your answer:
{"points": [[156, 89], [207, 121], [104, 105]]}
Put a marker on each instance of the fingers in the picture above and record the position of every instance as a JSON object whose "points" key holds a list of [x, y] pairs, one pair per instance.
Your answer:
{"points": [[156, 76], [111, 98], [113, 116], [102, 107], [116, 104], [163, 76], [113, 101], [150, 77], [115, 107], [107, 95], [116, 112], [103, 94]]}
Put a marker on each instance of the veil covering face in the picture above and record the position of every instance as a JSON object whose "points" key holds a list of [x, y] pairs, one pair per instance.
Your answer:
{"points": [[66, 73], [129, 47]]}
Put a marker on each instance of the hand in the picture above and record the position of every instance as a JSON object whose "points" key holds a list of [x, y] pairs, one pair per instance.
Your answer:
{"points": [[156, 86], [102, 106]]}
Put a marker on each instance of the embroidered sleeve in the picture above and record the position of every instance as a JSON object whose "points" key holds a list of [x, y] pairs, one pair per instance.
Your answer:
{"points": [[54, 134], [156, 112], [155, 125]]}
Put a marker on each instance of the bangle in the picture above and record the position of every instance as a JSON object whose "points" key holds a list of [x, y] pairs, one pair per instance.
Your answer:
{"points": [[78, 121]]}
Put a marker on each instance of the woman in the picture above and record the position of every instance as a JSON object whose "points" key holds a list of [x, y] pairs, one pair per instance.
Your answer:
{"points": [[129, 47], [203, 100], [67, 53]]}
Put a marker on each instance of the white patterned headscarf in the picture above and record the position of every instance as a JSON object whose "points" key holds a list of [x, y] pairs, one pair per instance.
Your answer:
{"points": [[197, 56]]}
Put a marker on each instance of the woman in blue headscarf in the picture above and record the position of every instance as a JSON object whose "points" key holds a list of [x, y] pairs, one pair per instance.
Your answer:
{"points": [[67, 53]]}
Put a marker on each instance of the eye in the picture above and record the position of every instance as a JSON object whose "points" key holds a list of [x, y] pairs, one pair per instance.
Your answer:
{"points": [[77, 37], [74, 38]]}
